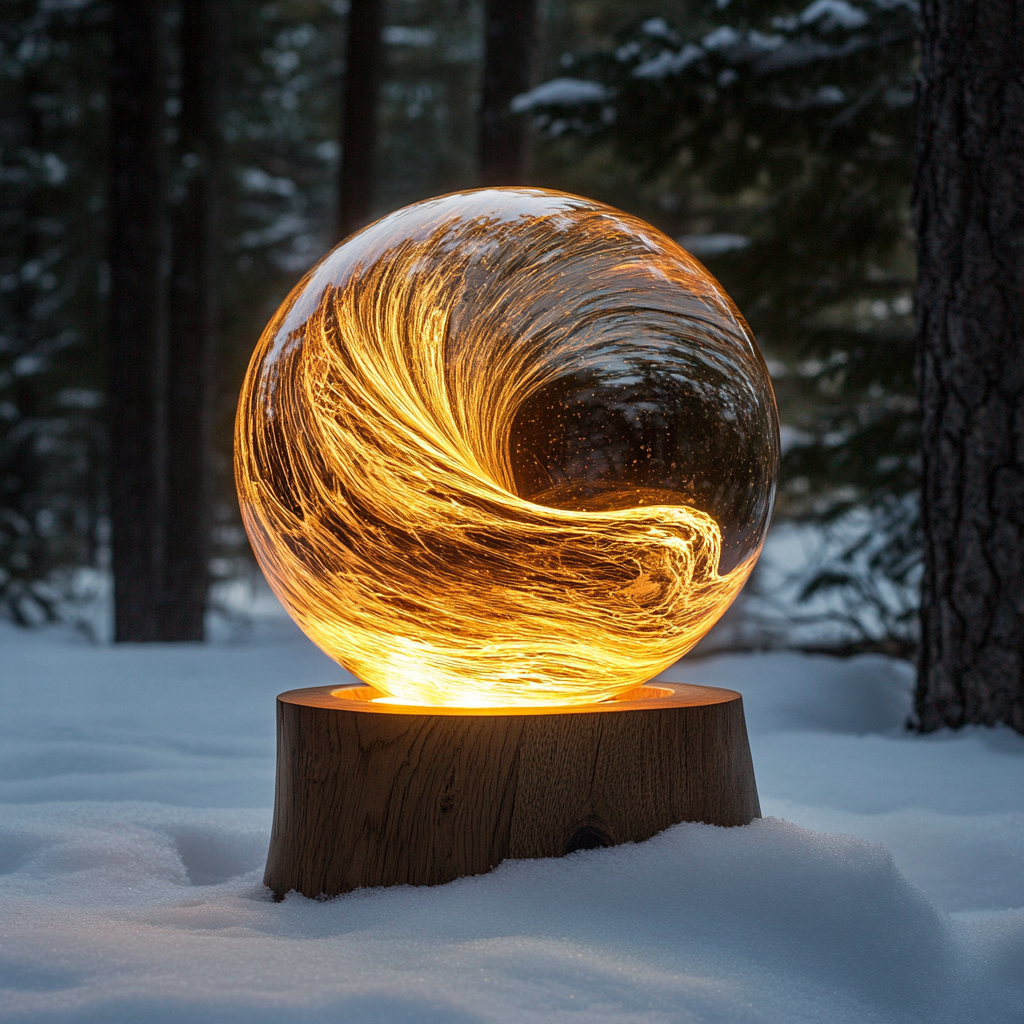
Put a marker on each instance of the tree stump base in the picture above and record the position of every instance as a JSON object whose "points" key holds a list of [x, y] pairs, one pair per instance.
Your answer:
{"points": [[372, 794]]}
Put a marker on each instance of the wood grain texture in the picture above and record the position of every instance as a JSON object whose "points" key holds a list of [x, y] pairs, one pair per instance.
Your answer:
{"points": [[375, 794]]}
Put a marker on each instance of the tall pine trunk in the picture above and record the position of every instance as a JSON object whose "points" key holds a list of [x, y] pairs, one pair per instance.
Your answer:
{"points": [[193, 315], [969, 212], [363, 73], [510, 29], [137, 257]]}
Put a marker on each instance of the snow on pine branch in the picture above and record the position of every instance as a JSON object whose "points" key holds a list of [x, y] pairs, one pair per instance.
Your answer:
{"points": [[559, 92]]}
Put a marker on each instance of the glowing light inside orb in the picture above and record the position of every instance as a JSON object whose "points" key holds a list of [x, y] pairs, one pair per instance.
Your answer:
{"points": [[506, 447]]}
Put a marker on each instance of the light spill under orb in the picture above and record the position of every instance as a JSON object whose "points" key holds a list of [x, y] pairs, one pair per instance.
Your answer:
{"points": [[506, 447]]}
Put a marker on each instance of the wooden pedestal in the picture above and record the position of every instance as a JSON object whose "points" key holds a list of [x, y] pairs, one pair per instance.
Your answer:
{"points": [[375, 794]]}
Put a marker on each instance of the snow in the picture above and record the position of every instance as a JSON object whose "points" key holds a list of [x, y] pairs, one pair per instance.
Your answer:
{"points": [[760, 41], [657, 28], [403, 35], [721, 38], [834, 14], [713, 245], [564, 91], [885, 884], [668, 63]]}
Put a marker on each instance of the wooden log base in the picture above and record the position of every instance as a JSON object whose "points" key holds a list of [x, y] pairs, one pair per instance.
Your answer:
{"points": [[372, 793]]}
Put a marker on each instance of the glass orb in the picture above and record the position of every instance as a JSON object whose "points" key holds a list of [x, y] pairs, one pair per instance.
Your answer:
{"points": [[507, 447]]}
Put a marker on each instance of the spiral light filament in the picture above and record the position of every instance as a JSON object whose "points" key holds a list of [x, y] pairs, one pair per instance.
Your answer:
{"points": [[506, 447]]}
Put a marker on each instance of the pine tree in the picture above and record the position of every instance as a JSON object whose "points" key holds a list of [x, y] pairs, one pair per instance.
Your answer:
{"points": [[363, 72], [137, 241], [970, 229], [510, 29], [52, 279], [193, 313], [782, 138]]}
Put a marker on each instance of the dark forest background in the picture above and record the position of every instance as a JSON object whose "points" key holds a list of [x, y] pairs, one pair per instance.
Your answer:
{"points": [[774, 139]]}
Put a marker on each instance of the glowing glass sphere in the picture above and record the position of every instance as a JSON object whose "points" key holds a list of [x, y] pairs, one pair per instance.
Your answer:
{"points": [[507, 447]]}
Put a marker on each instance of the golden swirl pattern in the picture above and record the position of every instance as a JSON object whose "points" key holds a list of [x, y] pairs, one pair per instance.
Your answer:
{"points": [[495, 449]]}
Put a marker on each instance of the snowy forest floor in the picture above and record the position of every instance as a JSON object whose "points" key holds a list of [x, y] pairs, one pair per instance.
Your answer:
{"points": [[885, 883]]}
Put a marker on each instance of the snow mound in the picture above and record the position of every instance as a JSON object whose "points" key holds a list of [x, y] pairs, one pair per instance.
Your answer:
{"points": [[137, 782]]}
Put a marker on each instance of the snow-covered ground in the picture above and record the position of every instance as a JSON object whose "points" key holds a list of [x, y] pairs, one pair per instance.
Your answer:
{"points": [[886, 882]]}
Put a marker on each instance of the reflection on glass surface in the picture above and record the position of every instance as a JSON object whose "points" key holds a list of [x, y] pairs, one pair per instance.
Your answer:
{"points": [[507, 447]]}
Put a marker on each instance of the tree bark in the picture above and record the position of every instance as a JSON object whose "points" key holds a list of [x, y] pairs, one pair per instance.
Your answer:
{"points": [[969, 214], [510, 29], [363, 73], [137, 257], [193, 314], [370, 794]]}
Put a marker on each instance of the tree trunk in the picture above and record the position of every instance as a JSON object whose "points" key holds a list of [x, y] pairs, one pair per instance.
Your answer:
{"points": [[137, 256], [370, 795], [363, 72], [510, 29], [193, 313], [969, 211]]}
